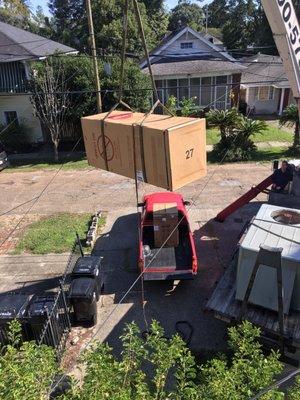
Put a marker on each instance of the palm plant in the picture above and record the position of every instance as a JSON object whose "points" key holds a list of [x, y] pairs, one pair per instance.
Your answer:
{"points": [[249, 127], [290, 117], [226, 121]]}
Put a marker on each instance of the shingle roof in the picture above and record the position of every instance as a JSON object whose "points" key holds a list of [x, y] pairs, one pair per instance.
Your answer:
{"points": [[264, 69], [18, 44], [200, 66]]}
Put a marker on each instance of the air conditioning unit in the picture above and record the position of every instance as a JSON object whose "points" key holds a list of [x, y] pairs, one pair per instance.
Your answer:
{"points": [[275, 227]]}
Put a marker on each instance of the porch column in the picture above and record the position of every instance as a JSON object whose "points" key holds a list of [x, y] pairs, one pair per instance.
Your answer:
{"points": [[281, 102]]}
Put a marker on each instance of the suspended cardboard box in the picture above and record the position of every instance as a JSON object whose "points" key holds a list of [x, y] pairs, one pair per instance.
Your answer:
{"points": [[168, 152], [165, 223]]}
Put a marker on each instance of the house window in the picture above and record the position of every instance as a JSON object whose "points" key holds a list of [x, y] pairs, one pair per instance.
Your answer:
{"points": [[221, 79], [11, 117], [183, 89], [172, 87], [206, 91], [264, 93], [195, 89], [186, 45], [271, 92], [159, 86]]}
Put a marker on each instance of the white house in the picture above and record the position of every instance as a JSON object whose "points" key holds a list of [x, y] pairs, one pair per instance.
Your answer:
{"points": [[265, 87], [192, 64], [17, 49]]}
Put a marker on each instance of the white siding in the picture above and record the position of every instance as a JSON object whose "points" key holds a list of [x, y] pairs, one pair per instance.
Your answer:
{"points": [[198, 46], [266, 106], [21, 104]]}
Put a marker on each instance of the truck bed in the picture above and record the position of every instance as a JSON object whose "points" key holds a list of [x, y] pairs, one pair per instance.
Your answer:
{"points": [[225, 307], [169, 262]]}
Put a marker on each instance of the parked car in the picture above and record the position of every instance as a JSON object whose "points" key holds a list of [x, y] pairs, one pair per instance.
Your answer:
{"points": [[167, 249], [3, 158]]}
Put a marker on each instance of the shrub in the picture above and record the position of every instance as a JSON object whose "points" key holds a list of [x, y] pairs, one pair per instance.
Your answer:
{"points": [[236, 131], [188, 107], [15, 138], [171, 104], [26, 369]]}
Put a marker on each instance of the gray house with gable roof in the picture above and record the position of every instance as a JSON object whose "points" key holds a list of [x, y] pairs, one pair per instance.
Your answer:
{"points": [[193, 64], [265, 87], [18, 48]]}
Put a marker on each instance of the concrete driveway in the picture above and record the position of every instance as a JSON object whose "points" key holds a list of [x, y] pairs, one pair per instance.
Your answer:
{"points": [[92, 190]]}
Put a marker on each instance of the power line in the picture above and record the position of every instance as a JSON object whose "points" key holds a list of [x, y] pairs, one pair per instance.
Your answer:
{"points": [[148, 265], [276, 384], [36, 199], [171, 56]]}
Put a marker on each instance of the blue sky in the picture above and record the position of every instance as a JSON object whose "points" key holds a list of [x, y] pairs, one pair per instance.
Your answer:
{"points": [[170, 4]]}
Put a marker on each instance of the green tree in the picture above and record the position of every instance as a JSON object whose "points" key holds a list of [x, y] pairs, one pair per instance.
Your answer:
{"points": [[217, 13], [149, 368], [248, 372], [290, 117], [15, 12], [75, 75], [71, 24], [294, 392], [170, 370], [239, 29], [186, 13], [26, 369], [264, 36]]}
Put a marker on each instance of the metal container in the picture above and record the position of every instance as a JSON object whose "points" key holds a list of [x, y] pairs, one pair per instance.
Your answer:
{"points": [[83, 298], [13, 306], [275, 227], [41, 309], [89, 267]]}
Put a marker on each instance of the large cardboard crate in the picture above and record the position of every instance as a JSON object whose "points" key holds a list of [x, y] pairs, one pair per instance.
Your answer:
{"points": [[168, 152], [165, 223]]}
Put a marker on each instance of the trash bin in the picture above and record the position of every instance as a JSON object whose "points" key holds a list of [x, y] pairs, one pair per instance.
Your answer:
{"points": [[89, 267], [83, 298], [13, 306], [40, 308]]}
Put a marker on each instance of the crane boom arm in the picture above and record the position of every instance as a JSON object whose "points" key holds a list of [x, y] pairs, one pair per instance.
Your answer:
{"points": [[286, 32]]}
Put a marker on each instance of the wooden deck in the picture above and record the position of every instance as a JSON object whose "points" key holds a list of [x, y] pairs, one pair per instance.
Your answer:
{"points": [[224, 306]]}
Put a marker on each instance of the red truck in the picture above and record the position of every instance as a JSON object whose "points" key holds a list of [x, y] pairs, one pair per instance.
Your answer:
{"points": [[166, 262]]}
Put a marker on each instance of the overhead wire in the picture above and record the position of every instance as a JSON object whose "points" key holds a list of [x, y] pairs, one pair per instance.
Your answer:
{"points": [[36, 199], [279, 80], [276, 384], [146, 267]]}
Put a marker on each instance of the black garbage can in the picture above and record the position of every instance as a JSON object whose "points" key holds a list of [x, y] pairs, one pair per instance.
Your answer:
{"points": [[40, 309], [83, 298], [13, 306], [89, 267]]}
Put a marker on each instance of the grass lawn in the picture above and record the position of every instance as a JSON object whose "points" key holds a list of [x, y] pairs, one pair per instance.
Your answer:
{"points": [[263, 155], [26, 166], [54, 234], [271, 134]]}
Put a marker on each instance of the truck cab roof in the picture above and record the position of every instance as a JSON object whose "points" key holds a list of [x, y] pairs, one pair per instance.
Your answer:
{"points": [[162, 198]]}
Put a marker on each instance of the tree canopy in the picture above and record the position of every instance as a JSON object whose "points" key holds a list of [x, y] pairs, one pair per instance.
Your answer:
{"points": [[150, 367], [186, 13]]}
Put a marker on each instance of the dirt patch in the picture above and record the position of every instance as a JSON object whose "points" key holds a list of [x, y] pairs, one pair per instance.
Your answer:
{"points": [[12, 228]]}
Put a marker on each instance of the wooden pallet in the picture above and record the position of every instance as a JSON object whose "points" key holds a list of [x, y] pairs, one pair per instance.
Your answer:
{"points": [[225, 307]]}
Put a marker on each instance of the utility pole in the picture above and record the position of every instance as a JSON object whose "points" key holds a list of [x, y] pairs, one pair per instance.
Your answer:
{"points": [[94, 55], [206, 19]]}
